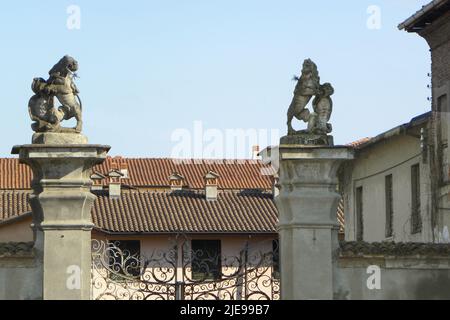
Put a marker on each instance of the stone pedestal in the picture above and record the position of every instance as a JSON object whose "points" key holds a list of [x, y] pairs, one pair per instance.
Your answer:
{"points": [[61, 203], [308, 226]]}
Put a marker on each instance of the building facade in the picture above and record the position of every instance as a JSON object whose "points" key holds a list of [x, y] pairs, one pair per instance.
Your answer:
{"points": [[398, 188]]}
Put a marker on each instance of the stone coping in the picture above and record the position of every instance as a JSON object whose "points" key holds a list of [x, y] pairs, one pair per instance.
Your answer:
{"points": [[305, 146], [361, 248], [16, 249], [16, 148]]}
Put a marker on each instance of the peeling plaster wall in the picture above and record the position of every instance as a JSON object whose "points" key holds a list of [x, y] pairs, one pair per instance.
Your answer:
{"points": [[368, 170], [19, 279], [400, 278]]}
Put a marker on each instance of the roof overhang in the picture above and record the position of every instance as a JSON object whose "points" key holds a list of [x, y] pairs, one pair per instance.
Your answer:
{"points": [[425, 16], [154, 233], [14, 219], [411, 128]]}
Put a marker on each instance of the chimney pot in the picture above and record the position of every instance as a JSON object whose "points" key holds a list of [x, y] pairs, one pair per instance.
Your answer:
{"points": [[211, 185], [124, 170], [115, 190], [275, 186], [176, 181], [97, 178], [255, 152], [114, 186]]}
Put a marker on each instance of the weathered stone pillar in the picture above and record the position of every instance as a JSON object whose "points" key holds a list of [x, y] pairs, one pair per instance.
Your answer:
{"points": [[308, 225], [61, 203]]}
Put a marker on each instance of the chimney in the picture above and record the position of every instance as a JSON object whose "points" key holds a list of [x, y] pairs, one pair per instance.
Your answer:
{"points": [[255, 152], [97, 178], [275, 185], [114, 183], [176, 181], [124, 170], [211, 185]]}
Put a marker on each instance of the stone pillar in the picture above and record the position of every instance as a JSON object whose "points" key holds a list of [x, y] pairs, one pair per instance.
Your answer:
{"points": [[308, 226], [61, 203]]}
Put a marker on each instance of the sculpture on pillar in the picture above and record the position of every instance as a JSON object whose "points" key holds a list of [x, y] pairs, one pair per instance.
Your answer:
{"points": [[318, 128], [61, 85]]}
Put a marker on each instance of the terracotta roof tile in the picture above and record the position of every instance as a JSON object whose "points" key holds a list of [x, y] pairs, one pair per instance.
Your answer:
{"points": [[359, 142], [154, 172], [164, 211]]}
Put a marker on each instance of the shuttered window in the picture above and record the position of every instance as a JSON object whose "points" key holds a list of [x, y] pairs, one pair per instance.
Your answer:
{"points": [[389, 206], [416, 220], [359, 214]]}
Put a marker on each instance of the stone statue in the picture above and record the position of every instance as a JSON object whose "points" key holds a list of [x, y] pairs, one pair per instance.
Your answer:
{"points": [[322, 106], [318, 128], [307, 86], [61, 85]]}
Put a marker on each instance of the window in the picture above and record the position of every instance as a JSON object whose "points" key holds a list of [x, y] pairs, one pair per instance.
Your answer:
{"points": [[359, 214], [206, 260], [416, 220], [389, 205], [124, 259], [276, 258], [442, 105]]}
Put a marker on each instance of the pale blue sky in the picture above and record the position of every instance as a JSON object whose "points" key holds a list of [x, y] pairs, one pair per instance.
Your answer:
{"points": [[150, 67]]}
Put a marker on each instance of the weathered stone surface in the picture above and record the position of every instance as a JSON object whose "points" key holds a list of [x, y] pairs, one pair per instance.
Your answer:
{"points": [[389, 248], [60, 84], [308, 85], [61, 204], [307, 139], [58, 138], [16, 249], [308, 226]]}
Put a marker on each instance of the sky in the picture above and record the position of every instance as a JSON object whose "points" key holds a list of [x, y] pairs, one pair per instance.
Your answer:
{"points": [[152, 72]]}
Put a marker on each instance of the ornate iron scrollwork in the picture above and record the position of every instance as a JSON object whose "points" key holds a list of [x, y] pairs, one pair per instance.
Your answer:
{"points": [[168, 274]]}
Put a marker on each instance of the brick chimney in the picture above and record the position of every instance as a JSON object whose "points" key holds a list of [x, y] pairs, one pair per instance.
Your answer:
{"points": [[97, 178], [211, 185], [114, 186], [176, 181]]}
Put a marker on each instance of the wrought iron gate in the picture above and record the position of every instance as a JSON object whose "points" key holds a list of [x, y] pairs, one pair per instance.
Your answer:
{"points": [[182, 273]]}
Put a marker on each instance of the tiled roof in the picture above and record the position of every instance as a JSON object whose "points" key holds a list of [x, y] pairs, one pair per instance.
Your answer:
{"points": [[186, 211], [357, 143], [13, 204], [163, 211], [154, 172], [14, 175]]}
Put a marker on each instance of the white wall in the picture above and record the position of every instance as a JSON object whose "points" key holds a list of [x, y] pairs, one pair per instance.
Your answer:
{"points": [[369, 170]]}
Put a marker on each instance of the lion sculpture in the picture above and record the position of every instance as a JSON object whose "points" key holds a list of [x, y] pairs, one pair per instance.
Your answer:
{"points": [[61, 85], [308, 85]]}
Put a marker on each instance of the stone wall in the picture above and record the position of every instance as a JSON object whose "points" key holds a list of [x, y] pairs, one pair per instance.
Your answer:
{"points": [[438, 37], [19, 272], [407, 271]]}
